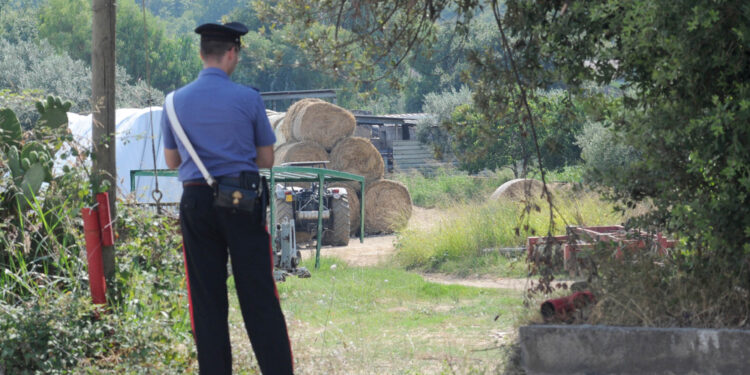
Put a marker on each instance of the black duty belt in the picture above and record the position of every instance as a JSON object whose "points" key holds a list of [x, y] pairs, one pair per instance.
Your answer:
{"points": [[233, 181]]}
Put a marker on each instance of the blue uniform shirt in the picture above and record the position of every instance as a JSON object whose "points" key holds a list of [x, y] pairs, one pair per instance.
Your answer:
{"points": [[224, 121]]}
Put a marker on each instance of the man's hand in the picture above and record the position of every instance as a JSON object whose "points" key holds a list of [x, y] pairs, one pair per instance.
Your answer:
{"points": [[265, 157], [172, 156]]}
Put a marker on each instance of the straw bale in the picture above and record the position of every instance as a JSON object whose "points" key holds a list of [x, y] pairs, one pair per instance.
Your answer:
{"points": [[299, 151], [358, 156], [291, 113], [324, 123], [387, 206], [516, 190], [280, 139]]}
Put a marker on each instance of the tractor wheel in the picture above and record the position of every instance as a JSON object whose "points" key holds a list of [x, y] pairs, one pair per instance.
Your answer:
{"points": [[284, 209], [338, 233]]}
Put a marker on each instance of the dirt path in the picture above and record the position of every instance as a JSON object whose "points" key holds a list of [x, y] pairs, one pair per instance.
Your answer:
{"points": [[378, 249], [375, 250], [478, 282]]}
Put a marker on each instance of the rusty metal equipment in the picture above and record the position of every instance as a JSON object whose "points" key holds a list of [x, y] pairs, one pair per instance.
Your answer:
{"points": [[566, 248]]}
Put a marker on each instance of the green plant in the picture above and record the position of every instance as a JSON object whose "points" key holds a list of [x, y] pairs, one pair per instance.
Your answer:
{"points": [[440, 106], [604, 151], [30, 158], [48, 323], [483, 140], [385, 320], [466, 241], [445, 187]]}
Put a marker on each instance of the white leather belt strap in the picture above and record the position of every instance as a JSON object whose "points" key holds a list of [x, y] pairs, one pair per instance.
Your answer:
{"points": [[177, 127]]}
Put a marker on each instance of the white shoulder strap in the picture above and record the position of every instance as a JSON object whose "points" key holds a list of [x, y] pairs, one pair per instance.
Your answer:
{"points": [[177, 127]]}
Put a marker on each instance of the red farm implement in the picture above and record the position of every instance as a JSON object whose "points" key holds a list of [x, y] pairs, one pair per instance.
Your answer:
{"points": [[564, 250]]}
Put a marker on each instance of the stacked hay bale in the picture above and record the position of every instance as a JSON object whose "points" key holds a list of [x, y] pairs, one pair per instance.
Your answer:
{"points": [[315, 130]]}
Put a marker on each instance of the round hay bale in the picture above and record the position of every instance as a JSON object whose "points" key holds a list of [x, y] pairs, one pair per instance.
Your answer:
{"points": [[387, 206], [358, 156], [299, 151], [516, 190], [280, 139], [291, 114], [351, 186], [324, 123], [354, 208]]}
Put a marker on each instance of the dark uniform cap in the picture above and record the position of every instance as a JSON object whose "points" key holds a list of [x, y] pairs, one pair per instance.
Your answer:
{"points": [[229, 32]]}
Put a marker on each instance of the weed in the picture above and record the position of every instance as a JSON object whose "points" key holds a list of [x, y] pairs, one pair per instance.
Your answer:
{"points": [[352, 320], [467, 242], [448, 187]]}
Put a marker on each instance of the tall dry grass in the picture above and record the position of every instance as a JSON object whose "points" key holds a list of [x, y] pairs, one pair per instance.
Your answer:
{"points": [[465, 241]]}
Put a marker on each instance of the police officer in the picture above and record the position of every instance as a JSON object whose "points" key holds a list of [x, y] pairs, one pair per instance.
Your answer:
{"points": [[228, 127]]}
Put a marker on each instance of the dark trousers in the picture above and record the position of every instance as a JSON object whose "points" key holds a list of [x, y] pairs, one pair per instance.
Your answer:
{"points": [[207, 233]]}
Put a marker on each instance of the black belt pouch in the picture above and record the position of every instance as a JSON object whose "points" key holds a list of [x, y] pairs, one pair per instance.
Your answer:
{"points": [[242, 194]]}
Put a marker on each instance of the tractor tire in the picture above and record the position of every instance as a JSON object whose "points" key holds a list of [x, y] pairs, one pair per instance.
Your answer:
{"points": [[338, 234], [283, 210]]}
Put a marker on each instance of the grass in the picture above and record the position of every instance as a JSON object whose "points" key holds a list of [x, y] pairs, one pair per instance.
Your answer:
{"points": [[447, 187], [352, 320], [460, 243]]}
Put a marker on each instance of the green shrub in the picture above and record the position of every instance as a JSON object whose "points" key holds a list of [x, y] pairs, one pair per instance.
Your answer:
{"points": [[52, 326], [440, 106], [603, 151], [50, 335], [33, 70]]}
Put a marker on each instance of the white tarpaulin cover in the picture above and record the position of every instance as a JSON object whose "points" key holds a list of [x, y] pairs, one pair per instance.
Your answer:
{"points": [[133, 151]]}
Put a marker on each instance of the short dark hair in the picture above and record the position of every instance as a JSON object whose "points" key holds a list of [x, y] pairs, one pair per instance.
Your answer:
{"points": [[216, 48]]}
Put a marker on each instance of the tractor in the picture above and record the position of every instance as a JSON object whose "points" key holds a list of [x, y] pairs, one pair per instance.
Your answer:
{"points": [[299, 207]]}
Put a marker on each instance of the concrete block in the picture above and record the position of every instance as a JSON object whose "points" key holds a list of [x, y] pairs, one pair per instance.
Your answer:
{"points": [[586, 349]]}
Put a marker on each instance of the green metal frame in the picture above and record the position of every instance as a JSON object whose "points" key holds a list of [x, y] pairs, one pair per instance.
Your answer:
{"points": [[321, 176], [150, 173], [288, 174]]}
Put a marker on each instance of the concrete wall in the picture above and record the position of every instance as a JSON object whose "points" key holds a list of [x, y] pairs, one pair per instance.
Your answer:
{"points": [[584, 349]]}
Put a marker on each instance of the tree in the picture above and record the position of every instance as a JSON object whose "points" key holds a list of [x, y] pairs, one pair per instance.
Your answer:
{"points": [[685, 68], [173, 62], [356, 40], [481, 143], [686, 113], [66, 24], [18, 24], [32, 71]]}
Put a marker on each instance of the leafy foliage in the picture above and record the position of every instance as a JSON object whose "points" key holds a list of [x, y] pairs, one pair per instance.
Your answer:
{"points": [[18, 24], [685, 112], [30, 158], [50, 325], [355, 40], [431, 130], [603, 151], [33, 70], [482, 143], [174, 62]]}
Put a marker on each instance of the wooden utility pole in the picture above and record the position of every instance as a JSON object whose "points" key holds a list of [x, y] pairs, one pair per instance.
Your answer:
{"points": [[103, 166]]}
